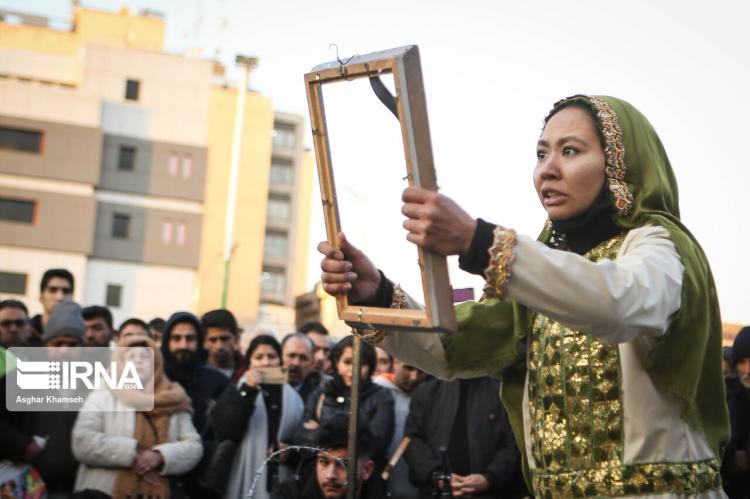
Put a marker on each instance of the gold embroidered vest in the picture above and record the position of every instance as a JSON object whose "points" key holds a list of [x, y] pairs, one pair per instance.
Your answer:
{"points": [[576, 411]]}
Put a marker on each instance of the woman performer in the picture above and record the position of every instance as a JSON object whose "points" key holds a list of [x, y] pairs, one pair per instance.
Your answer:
{"points": [[605, 331]]}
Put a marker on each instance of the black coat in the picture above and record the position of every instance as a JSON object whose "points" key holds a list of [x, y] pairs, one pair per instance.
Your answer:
{"points": [[735, 479], [376, 411], [14, 438], [490, 447]]}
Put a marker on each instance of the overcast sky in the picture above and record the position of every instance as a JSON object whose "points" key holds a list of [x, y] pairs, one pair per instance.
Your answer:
{"points": [[492, 69]]}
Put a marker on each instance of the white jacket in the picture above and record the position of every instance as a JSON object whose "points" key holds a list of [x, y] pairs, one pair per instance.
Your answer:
{"points": [[103, 442]]}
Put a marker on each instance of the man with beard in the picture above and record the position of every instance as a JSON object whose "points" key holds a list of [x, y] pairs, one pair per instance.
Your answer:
{"points": [[329, 480], [184, 362], [735, 468], [221, 341], [297, 357]]}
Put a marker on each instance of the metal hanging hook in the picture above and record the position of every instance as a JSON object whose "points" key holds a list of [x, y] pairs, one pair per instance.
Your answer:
{"points": [[342, 69]]}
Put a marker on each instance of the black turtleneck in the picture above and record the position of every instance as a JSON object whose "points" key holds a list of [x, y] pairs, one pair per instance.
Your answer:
{"points": [[584, 232], [579, 234]]}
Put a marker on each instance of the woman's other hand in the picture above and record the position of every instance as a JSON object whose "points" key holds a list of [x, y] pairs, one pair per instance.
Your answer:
{"points": [[436, 222], [348, 270]]}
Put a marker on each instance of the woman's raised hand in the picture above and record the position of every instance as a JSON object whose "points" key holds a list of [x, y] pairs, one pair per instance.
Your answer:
{"points": [[348, 270], [436, 222]]}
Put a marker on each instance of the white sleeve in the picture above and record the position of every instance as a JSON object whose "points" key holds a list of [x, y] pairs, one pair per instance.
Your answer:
{"points": [[614, 300], [185, 451], [91, 444], [421, 350]]}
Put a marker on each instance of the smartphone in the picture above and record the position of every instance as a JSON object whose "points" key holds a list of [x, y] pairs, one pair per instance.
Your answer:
{"points": [[274, 375]]}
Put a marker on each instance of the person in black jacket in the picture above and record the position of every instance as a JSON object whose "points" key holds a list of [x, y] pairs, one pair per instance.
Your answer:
{"points": [[735, 467], [260, 415], [184, 363], [376, 404], [467, 419]]}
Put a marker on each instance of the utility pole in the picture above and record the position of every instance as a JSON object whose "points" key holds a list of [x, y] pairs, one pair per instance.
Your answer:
{"points": [[247, 63]]}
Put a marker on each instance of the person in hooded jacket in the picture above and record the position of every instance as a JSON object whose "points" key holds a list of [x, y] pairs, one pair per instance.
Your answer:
{"points": [[376, 404], [185, 363]]}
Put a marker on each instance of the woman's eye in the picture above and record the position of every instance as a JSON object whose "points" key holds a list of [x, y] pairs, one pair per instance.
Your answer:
{"points": [[540, 155], [569, 151]]}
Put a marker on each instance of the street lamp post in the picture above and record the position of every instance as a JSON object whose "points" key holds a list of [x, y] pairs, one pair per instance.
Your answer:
{"points": [[247, 63]]}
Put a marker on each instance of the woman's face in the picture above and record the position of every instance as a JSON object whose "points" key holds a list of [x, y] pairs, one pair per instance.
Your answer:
{"points": [[346, 363], [569, 172], [143, 361], [264, 356]]}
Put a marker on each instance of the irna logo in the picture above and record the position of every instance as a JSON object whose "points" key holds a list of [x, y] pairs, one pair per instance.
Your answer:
{"points": [[71, 375]]}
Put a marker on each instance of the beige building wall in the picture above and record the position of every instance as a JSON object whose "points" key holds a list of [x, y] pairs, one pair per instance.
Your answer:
{"points": [[252, 193], [301, 248], [39, 39], [174, 92], [38, 101], [144, 32]]}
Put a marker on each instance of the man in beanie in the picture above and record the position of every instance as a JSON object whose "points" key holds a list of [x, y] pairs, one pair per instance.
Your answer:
{"points": [[736, 464], [55, 461]]}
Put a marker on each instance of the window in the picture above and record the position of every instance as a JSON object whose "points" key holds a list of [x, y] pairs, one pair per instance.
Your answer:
{"points": [[181, 234], [282, 171], [126, 158], [13, 283], [166, 232], [276, 244], [17, 210], [16, 139], [187, 165], [121, 225], [279, 208], [114, 295], [132, 89], [174, 164], [284, 135], [273, 281]]}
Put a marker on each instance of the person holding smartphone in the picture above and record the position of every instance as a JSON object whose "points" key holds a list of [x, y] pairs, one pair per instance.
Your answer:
{"points": [[260, 412]]}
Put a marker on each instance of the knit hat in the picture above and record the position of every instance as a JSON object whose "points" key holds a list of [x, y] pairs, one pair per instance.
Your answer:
{"points": [[741, 346], [66, 320]]}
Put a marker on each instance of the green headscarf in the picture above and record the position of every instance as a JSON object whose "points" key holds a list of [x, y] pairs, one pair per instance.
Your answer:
{"points": [[687, 359]]}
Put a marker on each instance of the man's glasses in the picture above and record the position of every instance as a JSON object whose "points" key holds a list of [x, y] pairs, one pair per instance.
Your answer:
{"points": [[13, 322], [65, 290]]}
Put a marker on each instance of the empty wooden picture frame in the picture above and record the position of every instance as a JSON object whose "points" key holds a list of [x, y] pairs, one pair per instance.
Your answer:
{"points": [[410, 108]]}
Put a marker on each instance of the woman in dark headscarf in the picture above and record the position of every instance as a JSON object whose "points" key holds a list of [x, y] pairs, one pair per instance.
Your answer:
{"points": [[259, 413], [376, 404], [605, 330]]}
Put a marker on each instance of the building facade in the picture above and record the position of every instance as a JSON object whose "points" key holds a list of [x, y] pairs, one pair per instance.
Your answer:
{"points": [[114, 164]]}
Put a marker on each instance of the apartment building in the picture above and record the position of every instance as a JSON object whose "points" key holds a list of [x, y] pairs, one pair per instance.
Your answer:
{"points": [[114, 160]]}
